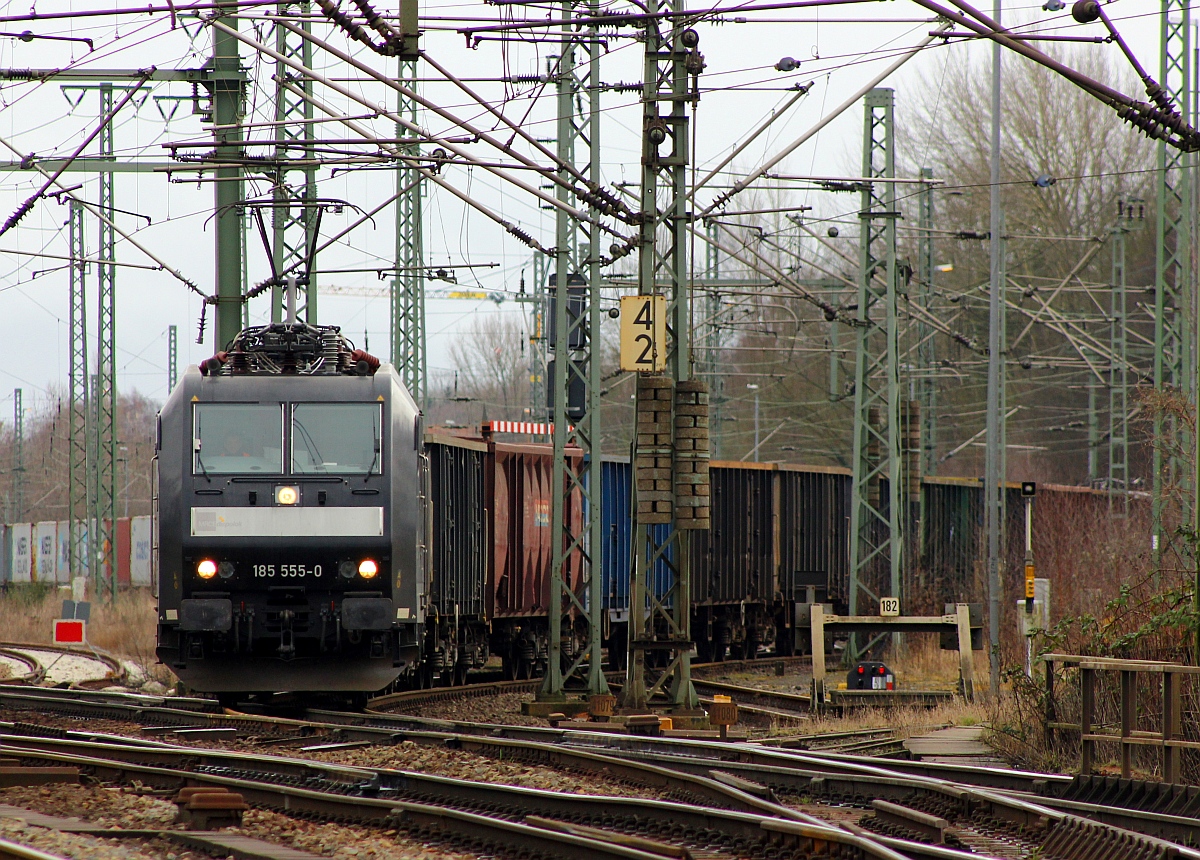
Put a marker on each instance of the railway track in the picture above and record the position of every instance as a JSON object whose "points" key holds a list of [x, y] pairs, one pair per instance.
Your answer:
{"points": [[55, 665], [1042, 811], [986, 804], [487, 816]]}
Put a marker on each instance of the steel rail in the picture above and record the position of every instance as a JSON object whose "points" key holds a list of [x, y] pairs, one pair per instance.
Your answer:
{"points": [[667, 761], [326, 805], [10, 850], [1028, 813], [36, 671], [705, 788], [116, 670], [355, 793]]}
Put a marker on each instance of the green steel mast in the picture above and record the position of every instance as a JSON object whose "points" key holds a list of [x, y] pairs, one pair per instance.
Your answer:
{"points": [[293, 213], [226, 87], [79, 426], [408, 285], [927, 380], [661, 621], [106, 369], [1173, 264], [876, 524], [1118, 380], [18, 457], [172, 357], [577, 541]]}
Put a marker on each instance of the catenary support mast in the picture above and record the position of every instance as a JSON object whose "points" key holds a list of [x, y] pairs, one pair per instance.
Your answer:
{"points": [[408, 285], [665, 451], [927, 379], [226, 87], [1173, 264], [172, 357], [877, 524], [575, 574], [106, 370], [293, 209], [79, 426], [18, 457]]}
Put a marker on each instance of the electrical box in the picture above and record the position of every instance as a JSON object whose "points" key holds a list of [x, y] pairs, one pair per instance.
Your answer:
{"points": [[576, 391], [576, 312]]}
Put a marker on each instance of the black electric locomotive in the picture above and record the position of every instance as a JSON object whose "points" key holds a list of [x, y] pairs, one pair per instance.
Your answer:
{"points": [[290, 515]]}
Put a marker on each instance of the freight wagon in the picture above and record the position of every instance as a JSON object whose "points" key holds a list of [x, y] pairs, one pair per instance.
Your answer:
{"points": [[490, 554], [779, 542]]}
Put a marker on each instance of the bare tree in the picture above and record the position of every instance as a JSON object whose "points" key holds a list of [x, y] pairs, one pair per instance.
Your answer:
{"points": [[45, 456], [490, 369]]}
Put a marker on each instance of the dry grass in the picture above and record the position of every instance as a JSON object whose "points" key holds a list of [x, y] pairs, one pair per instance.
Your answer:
{"points": [[922, 665], [126, 627], [906, 722]]}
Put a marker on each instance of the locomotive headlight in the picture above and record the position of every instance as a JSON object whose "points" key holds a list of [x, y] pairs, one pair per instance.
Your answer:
{"points": [[225, 569], [346, 569], [206, 569], [287, 495], [367, 568]]}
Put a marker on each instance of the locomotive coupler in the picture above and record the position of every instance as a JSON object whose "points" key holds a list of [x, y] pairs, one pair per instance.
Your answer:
{"points": [[287, 638], [378, 646]]}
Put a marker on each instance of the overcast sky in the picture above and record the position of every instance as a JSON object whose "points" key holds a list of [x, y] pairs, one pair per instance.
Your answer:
{"points": [[839, 49]]}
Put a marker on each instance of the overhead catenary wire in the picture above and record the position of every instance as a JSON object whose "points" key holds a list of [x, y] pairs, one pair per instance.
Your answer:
{"points": [[742, 184], [602, 201], [428, 174]]}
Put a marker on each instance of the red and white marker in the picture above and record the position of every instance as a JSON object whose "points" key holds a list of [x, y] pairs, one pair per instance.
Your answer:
{"points": [[70, 631]]}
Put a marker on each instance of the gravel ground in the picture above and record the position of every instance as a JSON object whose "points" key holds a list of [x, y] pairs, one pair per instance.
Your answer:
{"points": [[476, 768], [408, 755], [68, 668], [80, 847], [127, 810], [504, 709]]}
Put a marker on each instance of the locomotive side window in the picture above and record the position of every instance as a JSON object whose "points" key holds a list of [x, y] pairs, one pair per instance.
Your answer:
{"points": [[336, 438], [237, 438]]}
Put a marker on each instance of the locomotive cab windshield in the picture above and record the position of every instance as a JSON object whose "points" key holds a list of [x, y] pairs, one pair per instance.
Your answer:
{"points": [[235, 438], [336, 438]]}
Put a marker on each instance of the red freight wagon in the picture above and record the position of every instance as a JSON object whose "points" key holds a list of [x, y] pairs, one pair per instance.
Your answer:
{"points": [[491, 535]]}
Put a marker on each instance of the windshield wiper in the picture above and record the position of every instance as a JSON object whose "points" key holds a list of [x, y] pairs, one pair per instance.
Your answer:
{"points": [[200, 463], [374, 460]]}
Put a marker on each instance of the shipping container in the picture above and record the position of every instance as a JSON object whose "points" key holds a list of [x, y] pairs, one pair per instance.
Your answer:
{"points": [[46, 556], [20, 536], [813, 533], [953, 543], [139, 552], [122, 556], [62, 561], [63, 572], [517, 491]]}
